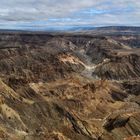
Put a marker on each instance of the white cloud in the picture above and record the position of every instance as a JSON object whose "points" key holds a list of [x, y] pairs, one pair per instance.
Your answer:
{"points": [[26, 11]]}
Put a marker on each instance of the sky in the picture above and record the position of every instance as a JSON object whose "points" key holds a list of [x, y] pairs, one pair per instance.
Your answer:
{"points": [[51, 14]]}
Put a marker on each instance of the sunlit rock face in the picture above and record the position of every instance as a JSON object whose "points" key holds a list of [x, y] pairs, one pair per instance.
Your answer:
{"points": [[69, 87]]}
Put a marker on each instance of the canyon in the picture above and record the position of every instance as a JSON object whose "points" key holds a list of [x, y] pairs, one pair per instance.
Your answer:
{"points": [[69, 86]]}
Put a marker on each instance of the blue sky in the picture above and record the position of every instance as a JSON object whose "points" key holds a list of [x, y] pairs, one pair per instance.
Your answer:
{"points": [[43, 14]]}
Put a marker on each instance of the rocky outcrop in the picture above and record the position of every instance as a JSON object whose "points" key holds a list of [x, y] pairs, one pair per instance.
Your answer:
{"points": [[68, 87]]}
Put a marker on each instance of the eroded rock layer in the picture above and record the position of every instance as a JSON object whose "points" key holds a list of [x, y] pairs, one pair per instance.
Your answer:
{"points": [[68, 87]]}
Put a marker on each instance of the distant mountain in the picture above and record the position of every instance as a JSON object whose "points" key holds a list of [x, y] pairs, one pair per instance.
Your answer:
{"points": [[120, 28], [80, 29], [109, 30]]}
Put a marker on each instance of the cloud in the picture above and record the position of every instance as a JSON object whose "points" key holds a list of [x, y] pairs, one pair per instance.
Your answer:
{"points": [[44, 13]]}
